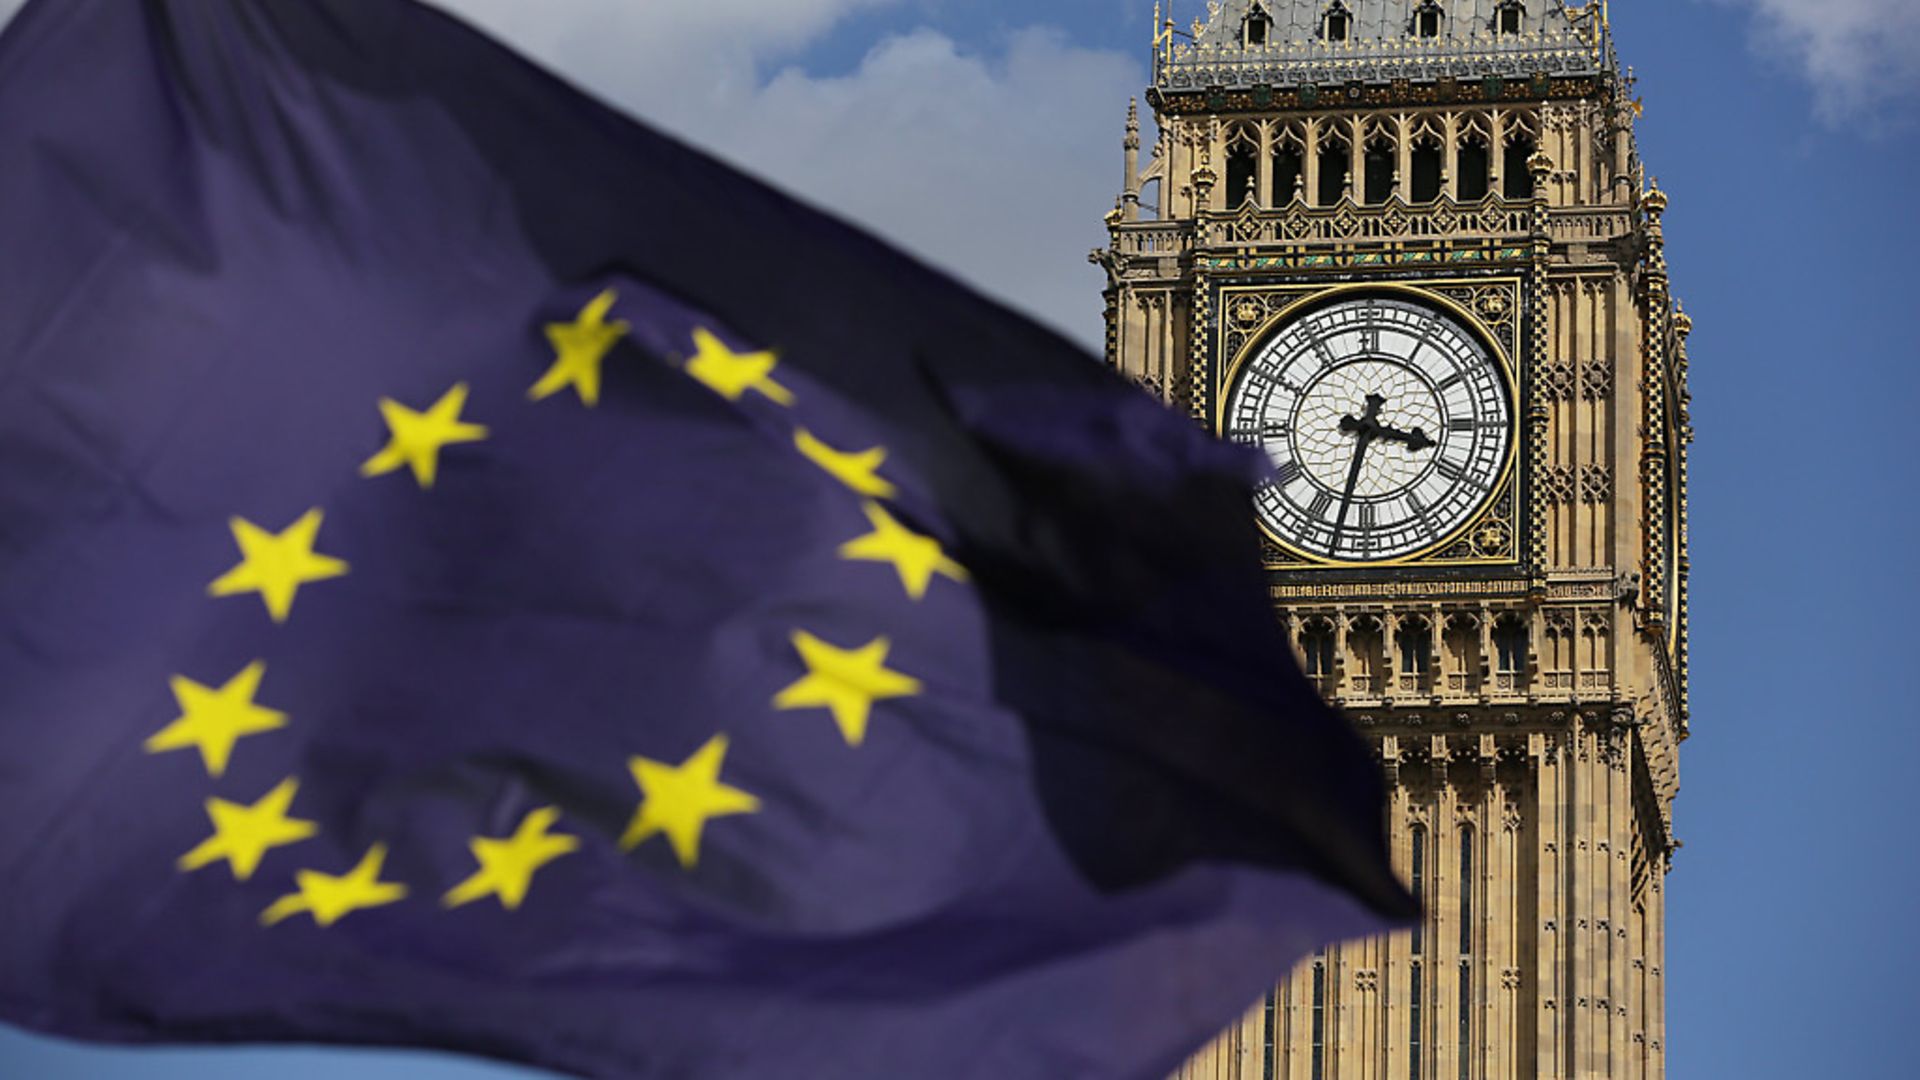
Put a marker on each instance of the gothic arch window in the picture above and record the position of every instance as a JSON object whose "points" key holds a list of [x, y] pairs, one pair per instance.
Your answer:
{"points": [[1510, 645], [1367, 649], [1559, 647], [1243, 157], [1427, 18], [1337, 23], [1427, 166], [1289, 169], [1380, 166], [1416, 998], [1319, 1070], [1475, 162], [1316, 647], [1516, 176], [1417, 884], [1414, 644], [1267, 1047], [1416, 1021], [1509, 17], [1462, 641], [1257, 28], [1335, 159], [1466, 952]]}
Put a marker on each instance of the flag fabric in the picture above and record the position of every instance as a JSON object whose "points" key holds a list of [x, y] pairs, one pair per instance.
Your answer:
{"points": [[477, 574]]}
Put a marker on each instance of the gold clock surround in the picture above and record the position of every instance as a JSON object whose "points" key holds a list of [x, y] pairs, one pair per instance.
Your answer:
{"points": [[1489, 308]]}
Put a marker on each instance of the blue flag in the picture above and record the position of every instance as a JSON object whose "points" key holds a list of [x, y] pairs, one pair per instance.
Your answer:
{"points": [[477, 574]]}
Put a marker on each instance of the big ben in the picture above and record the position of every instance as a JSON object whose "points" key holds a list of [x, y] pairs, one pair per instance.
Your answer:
{"points": [[1408, 250]]}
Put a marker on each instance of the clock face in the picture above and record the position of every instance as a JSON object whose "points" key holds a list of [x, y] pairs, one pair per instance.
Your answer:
{"points": [[1388, 423]]}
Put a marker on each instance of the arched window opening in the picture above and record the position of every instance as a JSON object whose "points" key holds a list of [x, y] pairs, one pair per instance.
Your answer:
{"points": [[1463, 652], [1380, 168], [1416, 998], [1257, 27], [1316, 643], [1510, 645], [1426, 170], [1474, 164], [1426, 19], [1319, 1070], [1266, 1049], [1508, 17], [1417, 885], [1515, 174], [1337, 25], [1366, 642], [1414, 643], [1241, 161], [1466, 953], [1335, 159], [1288, 170]]}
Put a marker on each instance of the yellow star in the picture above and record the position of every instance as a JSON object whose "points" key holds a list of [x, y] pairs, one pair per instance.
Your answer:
{"points": [[275, 565], [242, 835], [329, 899], [914, 557], [680, 800], [213, 720], [846, 681], [731, 374], [579, 347], [507, 866], [418, 437], [859, 471]]}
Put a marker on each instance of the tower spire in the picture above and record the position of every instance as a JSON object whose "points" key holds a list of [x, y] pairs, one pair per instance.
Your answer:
{"points": [[1130, 187]]}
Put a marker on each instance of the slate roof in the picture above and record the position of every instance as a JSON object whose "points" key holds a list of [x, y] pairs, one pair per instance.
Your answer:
{"points": [[1381, 46]]}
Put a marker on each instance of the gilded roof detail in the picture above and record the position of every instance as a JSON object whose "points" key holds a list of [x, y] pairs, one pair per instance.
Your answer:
{"points": [[1382, 44]]}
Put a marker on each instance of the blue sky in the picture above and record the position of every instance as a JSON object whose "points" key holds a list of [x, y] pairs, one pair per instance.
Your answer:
{"points": [[984, 134]]}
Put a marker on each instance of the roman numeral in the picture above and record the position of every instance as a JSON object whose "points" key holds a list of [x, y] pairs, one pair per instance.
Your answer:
{"points": [[1260, 431], [1463, 425], [1449, 469], [1322, 503], [1452, 381], [1369, 515], [1287, 474]]}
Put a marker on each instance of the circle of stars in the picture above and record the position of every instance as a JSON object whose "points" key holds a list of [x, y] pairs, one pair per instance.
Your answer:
{"points": [[677, 801]]}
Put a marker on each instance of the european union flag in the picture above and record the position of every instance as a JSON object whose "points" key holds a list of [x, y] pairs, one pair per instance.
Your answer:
{"points": [[477, 574]]}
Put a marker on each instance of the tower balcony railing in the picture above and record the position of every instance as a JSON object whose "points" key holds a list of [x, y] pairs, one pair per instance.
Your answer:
{"points": [[1148, 239], [1444, 218], [1252, 226], [1589, 224]]}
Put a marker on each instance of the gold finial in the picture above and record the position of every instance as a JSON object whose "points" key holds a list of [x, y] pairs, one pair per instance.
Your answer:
{"points": [[1655, 200], [1682, 322]]}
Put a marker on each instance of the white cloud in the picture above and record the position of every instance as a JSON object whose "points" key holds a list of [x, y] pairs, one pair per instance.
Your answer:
{"points": [[1859, 54], [996, 167]]}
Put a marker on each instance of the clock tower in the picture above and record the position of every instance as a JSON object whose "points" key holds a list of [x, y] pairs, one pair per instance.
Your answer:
{"points": [[1407, 249]]}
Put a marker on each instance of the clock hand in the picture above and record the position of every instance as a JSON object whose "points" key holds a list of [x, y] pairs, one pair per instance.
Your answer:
{"points": [[1370, 422], [1415, 440], [1367, 426]]}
